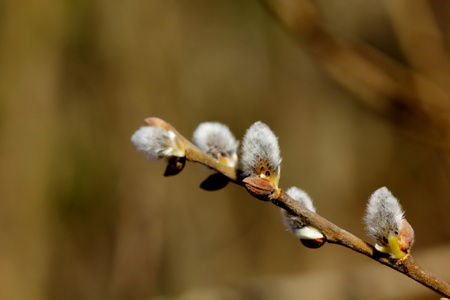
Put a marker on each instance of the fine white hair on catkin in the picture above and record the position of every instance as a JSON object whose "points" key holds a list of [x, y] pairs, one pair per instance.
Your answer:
{"points": [[384, 215], [260, 146], [292, 222], [215, 139], [153, 141], [301, 197]]}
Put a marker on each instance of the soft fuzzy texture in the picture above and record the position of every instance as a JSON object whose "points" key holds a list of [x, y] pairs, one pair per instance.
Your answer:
{"points": [[301, 197], [156, 142], [384, 216], [216, 140], [260, 150], [293, 223]]}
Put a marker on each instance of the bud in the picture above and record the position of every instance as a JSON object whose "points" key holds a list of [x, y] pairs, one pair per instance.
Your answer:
{"points": [[216, 140], [386, 224], [175, 165], [157, 142], [261, 161], [309, 236]]}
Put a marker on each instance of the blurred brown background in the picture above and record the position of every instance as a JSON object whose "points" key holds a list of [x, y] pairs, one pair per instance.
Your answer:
{"points": [[84, 216]]}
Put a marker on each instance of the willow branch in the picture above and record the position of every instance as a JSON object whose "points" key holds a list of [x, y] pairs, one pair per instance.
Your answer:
{"points": [[339, 236], [332, 233]]}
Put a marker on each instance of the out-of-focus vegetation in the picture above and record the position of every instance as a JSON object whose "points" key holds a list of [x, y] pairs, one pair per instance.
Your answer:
{"points": [[84, 216]]}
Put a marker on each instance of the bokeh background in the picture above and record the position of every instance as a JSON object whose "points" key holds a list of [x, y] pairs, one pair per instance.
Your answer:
{"points": [[85, 216]]}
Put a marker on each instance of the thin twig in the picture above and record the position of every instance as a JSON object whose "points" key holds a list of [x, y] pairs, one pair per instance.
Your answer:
{"points": [[333, 233]]}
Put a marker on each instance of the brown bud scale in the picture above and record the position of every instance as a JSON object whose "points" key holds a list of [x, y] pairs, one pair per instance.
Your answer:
{"points": [[406, 236], [313, 244], [175, 165], [261, 188]]}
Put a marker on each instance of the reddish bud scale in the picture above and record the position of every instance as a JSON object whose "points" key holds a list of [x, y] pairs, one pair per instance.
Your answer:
{"points": [[153, 121], [406, 236]]}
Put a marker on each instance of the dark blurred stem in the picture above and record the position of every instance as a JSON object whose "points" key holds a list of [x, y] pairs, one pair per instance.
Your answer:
{"points": [[379, 82], [333, 233]]}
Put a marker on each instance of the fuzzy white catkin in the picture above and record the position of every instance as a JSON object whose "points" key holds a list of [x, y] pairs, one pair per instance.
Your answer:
{"points": [[384, 215], [153, 141], [260, 145], [215, 139]]}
